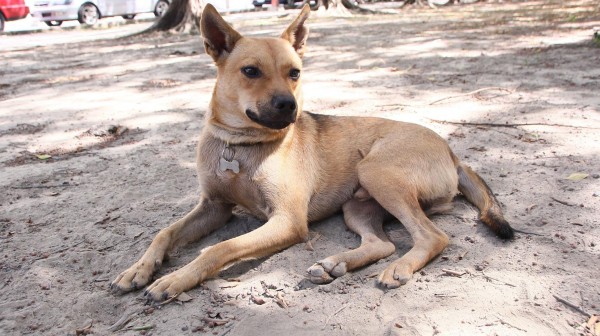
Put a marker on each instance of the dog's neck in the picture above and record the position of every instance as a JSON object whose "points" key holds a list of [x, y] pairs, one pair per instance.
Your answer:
{"points": [[243, 136]]}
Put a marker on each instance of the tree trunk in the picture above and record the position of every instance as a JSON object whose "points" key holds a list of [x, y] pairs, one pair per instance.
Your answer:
{"points": [[332, 8], [182, 16]]}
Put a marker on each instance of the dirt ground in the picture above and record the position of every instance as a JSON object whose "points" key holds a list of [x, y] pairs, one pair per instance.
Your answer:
{"points": [[97, 155]]}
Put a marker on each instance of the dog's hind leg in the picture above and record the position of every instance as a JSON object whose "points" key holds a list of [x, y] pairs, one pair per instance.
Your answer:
{"points": [[206, 217], [364, 216], [398, 196]]}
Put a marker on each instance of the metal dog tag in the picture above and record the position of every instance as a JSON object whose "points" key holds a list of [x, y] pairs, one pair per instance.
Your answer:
{"points": [[232, 165]]}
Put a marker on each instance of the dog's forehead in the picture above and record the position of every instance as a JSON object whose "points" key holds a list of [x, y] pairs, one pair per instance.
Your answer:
{"points": [[265, 51]]}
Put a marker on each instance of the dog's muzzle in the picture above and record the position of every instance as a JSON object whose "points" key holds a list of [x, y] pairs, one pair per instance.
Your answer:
{"points": [[279, 114]]}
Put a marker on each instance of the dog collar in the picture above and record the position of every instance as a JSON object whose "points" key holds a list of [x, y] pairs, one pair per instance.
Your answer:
{"points": [[227, 161]]}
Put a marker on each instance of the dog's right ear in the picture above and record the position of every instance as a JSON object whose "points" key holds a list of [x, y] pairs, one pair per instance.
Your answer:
{"points": [[219, 36], [297, 32]]}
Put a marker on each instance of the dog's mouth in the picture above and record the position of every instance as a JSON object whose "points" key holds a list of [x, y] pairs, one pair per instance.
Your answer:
{"points": [[277, 122]]}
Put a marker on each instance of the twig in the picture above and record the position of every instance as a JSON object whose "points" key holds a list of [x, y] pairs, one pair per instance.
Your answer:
{"points": [[570, 305], [58, 251], [215, 322], [309, 242], [508, 324], [123, 320], [336, 312], [562, 202], [167, 301], [489, 278], [148, 327], [281, 301], [84, 330], [528, 232], [102, 249], [444, 295], [472, 93], [42, 186], [509, 125], [454, 273], [226, 332]]}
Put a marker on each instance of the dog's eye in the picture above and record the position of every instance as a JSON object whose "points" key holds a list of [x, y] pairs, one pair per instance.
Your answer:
{"points": [[251, 72], [294, 74]]}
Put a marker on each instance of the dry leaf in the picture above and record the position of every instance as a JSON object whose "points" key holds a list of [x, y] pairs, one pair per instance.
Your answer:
{"points": [[258, 300], [183, 297], [43, 156], [577, 176]]}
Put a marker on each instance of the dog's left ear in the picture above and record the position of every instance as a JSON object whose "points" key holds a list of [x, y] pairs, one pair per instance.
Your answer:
{"points": [[297, 32], [219, 36]]}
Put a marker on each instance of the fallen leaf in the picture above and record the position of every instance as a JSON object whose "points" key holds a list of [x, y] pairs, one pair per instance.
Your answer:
{"points": [[258, 300], [183, 297], [577, 176], [43, 156]]}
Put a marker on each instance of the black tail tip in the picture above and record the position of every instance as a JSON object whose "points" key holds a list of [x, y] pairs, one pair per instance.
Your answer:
{"points": [[505, 231], [499, 225]]}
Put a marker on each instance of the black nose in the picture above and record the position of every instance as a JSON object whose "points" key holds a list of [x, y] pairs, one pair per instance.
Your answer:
{"points": [[284, 104]]}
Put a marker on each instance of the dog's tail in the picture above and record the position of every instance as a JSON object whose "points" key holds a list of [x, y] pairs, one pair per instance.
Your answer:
{"points": [[477, 192]]}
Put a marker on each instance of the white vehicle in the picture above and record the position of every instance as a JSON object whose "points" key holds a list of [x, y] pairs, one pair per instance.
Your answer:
{"points": [[54, 12]]}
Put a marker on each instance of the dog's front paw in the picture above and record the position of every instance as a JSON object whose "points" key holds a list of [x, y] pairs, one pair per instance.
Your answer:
{"points": [[171, 285], [135, 277], [326, 270], [394, 276]]}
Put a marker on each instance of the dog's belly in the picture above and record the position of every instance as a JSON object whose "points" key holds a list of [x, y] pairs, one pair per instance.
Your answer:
{"points": [[327, 202]]}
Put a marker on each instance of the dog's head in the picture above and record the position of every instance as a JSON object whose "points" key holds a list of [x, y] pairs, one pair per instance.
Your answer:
{"points": [[258, 81]]}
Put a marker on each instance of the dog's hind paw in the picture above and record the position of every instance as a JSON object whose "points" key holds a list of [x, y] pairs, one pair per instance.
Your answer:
{"points": [[394, 276], [325, 271]]}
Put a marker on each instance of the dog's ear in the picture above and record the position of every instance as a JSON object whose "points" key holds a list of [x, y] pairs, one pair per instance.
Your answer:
{"points": [[297, 32], [219, 36]]}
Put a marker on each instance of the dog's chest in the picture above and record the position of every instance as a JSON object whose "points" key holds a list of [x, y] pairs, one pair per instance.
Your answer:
{"points": [[234, 182]]}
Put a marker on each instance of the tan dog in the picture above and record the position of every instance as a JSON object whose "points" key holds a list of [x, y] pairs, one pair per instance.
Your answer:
{"points": [[259, 151]]}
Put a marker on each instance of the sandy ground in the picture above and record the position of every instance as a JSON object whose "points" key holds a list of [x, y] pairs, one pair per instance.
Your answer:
{"points": [[97, 155]]}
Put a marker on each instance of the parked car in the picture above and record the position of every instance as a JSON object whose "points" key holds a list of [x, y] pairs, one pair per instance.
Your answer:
{"points": [[54, 12], [12, 10]]}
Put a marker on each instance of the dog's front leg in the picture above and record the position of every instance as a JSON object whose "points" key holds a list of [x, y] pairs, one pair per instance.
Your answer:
{"points": [[280, 232], [207, 216]]}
